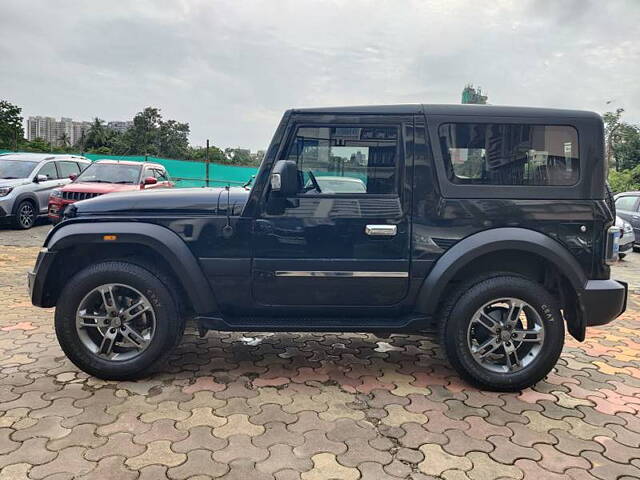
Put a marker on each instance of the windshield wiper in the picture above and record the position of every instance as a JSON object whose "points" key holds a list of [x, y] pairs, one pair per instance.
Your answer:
{"points": [[122, 182], [9, 178], [91, 181]]}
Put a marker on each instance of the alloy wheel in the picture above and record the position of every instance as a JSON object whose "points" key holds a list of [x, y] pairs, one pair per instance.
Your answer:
{"points": [[505, 335], [26, 215], [115, 322]]}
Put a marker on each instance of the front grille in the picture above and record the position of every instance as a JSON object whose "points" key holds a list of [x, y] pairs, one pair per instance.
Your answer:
{"points": [[75, 196]]}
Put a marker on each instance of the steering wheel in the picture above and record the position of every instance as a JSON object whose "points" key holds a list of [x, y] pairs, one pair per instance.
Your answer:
{"points": [[314, 182]]}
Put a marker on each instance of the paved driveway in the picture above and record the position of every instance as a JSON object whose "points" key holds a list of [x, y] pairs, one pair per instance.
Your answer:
{"points": [[308, 406]]}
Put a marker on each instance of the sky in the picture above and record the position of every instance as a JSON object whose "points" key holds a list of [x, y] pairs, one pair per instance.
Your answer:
{"points": [[231, 68]]}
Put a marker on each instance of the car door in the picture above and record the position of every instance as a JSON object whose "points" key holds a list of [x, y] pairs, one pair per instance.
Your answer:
{"points": [[346, 245], [43, 188], [627, 208]]}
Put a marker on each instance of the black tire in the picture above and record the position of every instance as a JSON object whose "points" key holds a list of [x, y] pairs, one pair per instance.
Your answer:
{"points": [[168, 329], [608, 198], [622, 255], [26, 215], [457, 313], [636, 249]]}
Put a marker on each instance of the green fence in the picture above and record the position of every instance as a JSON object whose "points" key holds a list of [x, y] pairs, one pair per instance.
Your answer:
{"points": [[187, 173]]}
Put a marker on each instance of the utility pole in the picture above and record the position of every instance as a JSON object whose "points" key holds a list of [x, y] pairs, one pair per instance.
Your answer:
{"points": [[207, 163]]}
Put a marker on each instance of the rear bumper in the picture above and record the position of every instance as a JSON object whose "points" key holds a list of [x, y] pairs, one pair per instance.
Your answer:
{"points": [[602, 301]]}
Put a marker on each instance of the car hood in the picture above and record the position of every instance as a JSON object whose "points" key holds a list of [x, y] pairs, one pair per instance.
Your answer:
{"points": [[13, 182], [174, 201], [101, 188]]}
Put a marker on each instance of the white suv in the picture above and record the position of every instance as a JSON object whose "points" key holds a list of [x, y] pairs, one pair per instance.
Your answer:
{"points": [[26, 180]]}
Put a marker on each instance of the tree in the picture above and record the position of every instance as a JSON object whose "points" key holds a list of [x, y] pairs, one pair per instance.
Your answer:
{"points": [[97, 135], [622, 141], [64, 139], [11, 131], [173, 139]]}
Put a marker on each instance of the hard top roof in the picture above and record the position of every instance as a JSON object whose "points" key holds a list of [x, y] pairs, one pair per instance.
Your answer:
{"points": [[452, 109]]}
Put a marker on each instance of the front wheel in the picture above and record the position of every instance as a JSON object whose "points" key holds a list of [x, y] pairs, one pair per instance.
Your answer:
{"points": [[117, 321], [25, 215], [502, 333]]}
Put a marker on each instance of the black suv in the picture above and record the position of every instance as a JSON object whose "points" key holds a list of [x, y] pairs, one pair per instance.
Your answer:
{"points": [[488, 225]]}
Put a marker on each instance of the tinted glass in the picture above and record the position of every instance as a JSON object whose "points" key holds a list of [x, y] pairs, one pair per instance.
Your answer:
{"points": [[68, 168], [346, 160], [16, 169], [110, 173], [510, 154], [161, 176], [626, 203], [49, 170]]}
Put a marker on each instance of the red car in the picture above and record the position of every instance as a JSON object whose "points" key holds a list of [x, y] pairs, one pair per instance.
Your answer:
{"points": [[107, 176]]}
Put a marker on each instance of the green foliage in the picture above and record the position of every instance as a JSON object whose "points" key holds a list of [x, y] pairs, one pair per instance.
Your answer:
{"points": [[625, 180], [239, 156], [622, 141], [11, 131]]}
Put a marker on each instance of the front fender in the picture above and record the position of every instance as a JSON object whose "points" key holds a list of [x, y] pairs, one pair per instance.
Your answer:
{"points": [[155, 237], [488, 241]]}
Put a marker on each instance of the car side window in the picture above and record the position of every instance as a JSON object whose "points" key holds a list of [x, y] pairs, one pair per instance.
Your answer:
{"points": [[67, 168], [49, 170], [161, 175], [628, 202], [510, 154], [148, 172], [346, 159]]}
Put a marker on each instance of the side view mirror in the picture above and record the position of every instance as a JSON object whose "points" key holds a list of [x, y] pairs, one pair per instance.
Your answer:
{"points": [[40, 178], [73, 176], [284, 178], [149, 181]]}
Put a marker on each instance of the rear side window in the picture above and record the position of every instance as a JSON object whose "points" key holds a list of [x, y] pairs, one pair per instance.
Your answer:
{"points": [[347, 160], [626, 203], [68, 168], [510, 154]]}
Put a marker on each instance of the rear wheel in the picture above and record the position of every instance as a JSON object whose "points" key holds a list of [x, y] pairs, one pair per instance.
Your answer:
{"points": [[25, 215], [117, 321], [502, 333]]}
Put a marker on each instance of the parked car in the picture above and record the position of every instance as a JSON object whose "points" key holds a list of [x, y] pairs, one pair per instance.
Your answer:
{"points": [[27, 179], [627, 237], [467, 228], [107, 176], [628, 208]]}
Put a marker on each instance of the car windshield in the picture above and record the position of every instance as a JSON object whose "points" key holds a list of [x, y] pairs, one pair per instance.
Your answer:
{"points": [[16, 168], [110, 173], [339, 185]]}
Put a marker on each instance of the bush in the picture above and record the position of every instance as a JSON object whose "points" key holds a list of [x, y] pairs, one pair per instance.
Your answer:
{"points": [[625, 181]]}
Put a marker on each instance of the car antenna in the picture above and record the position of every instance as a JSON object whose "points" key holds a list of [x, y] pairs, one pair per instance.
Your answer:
{"points": [[227, 230]]}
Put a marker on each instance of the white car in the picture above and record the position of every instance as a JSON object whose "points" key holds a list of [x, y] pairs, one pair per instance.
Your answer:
{"points": [[27, 179], [627, 237]]}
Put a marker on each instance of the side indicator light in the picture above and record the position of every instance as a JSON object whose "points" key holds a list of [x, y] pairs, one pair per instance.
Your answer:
{"points": [[109, 238]]}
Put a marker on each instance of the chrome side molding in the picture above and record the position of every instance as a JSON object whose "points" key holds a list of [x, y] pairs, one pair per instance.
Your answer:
{"points": [[339, 273]]}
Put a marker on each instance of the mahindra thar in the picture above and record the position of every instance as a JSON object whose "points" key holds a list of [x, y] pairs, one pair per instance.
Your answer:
{"points": [[488, 226]]}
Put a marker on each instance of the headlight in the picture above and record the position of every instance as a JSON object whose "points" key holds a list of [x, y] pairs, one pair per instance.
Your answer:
{"points": [[56, 193], [4, 191]]}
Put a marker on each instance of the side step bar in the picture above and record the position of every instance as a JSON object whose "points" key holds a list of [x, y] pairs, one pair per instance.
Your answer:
{"points": [[406, 324]]}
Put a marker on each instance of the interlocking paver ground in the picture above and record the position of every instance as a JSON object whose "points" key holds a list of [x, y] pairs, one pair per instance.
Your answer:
{"points": [[294, 405]]}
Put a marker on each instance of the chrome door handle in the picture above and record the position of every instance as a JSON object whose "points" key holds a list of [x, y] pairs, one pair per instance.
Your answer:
{"points": [[381, 230]]}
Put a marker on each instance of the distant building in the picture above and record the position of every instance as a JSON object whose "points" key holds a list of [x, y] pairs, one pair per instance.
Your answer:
{"points": [[470, 94], [65, 130], [120, 127]]}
